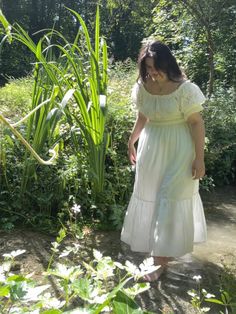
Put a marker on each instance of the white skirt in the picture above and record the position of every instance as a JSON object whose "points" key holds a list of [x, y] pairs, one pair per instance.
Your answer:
{"points": [[165, 216]]}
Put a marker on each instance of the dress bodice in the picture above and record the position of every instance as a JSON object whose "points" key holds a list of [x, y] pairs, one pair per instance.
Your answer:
{"points": [[174, 107]]}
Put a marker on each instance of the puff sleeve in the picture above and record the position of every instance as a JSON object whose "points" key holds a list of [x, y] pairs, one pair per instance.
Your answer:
{"points": [[136, 96], [192, 100]]}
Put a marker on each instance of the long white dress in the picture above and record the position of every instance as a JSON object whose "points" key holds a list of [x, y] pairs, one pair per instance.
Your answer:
{"points": [[165, 215]]}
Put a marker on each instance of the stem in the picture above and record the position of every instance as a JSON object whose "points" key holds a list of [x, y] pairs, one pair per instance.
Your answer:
{"points": [[27, 145]]}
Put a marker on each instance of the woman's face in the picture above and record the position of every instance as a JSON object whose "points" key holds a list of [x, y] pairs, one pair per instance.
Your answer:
{"points": [[150, 68]]}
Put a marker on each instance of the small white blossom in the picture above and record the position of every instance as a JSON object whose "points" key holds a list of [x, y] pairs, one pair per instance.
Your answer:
{"points": [[97, 255], [64, 253], [119, 265], [100, 298], [205, 309], [132, 269], [197, 278], [13, 254], [192, 293], [56, 18], [51, 302], [147, 266], [102, 100], [33, 293], [2, 277], [6, 266], [209, 295], [76, 208]]}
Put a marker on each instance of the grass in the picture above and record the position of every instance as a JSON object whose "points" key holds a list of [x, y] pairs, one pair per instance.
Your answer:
{"points": [[15, 97]]}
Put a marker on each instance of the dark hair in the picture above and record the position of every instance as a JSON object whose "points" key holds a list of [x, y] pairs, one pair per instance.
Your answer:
{"points": [[163, 61]]}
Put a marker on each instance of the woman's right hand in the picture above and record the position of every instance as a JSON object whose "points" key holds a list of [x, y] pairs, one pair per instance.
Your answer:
{"points": [[132, 153]]}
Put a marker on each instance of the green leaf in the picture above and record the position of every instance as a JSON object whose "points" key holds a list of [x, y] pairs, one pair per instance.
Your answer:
{"points": [[137, 288], [123, 304], [79, 310], [83, 288], [111, 295], [53, 311], [18, 291], [4, 291], [214, 301]]}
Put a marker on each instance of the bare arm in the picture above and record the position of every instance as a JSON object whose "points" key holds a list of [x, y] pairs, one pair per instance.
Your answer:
{"points": [[198, 133], [138, 126]]}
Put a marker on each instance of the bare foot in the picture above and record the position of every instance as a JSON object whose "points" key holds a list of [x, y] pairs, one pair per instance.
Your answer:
{"points": [[154, 275]]}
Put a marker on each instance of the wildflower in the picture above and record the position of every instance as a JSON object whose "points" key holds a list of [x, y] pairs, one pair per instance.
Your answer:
{"points": [[13, 254], [97, 255], [192, 293], [197, 278], [132, 269], [209, 295], [205, 309], [147, 266], [76, 209], [102, 100], [56, 18]]}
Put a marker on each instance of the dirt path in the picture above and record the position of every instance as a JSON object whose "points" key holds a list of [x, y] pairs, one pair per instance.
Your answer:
{"points": [[169, 294]]}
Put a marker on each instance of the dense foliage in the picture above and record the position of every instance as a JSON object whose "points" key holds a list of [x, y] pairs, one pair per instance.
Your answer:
{"points": [[202, 33], [74, 109], [117, 18], [49, 190], [99, 286]]}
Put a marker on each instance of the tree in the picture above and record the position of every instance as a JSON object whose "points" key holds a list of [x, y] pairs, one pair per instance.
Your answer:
{"points": [[203, 32], [127, 22], [124, 23]]}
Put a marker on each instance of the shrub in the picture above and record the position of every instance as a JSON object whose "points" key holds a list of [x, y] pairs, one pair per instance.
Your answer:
{"points": [[15, 97], [98, 286], [220, 120]]}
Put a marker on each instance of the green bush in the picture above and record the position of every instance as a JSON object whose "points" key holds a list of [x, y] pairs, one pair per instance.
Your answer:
{"points": [[98, 286], [56, 186], [15, 97], [220, 121]]}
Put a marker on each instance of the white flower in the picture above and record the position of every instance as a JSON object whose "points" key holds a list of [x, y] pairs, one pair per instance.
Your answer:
{"points": [[64, 253], [147, 266], [132, 269], [209, 295], [119, 265], [100, 298], [51, 302], [2, 277], [6, 266], [197, 278], [102, 100], [76, 209], [97, 255], [13, 254], [33, 293], [56, 18], [192, 293], [205, 309]]}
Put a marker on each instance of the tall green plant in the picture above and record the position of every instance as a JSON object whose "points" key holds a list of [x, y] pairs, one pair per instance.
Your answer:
{"points": [[79, 70], [86, 71], [84, 68]]}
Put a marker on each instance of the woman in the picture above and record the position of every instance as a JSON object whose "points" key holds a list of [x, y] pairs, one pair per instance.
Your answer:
{"points": [[165, 214]]}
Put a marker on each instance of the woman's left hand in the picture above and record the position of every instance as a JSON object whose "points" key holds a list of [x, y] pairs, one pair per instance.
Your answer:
{"points": [[198, 169]]}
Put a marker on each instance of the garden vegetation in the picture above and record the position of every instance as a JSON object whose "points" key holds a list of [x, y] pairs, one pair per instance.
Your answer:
{"points": [[73, 91]]}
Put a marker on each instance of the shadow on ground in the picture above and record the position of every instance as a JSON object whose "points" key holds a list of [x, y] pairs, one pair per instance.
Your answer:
{"points": [[169, 293]]}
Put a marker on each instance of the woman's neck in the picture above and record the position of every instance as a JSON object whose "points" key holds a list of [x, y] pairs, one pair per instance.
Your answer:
{"points": [[162, 86]]}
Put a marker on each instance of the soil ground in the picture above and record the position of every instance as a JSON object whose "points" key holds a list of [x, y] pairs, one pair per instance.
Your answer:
{"points": [[169, 293]]}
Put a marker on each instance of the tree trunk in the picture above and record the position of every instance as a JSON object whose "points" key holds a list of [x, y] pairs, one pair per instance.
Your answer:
{"points": [[211, 63]]}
